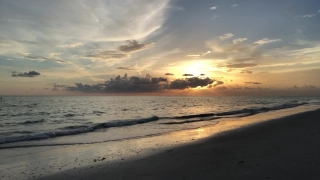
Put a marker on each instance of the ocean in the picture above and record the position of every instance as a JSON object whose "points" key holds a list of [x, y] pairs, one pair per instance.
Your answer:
{"points": [[67, 120]]}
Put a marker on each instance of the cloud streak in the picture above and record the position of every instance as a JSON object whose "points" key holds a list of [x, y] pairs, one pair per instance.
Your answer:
{"points": [[40, 58], [71, 45], [266, 41], [239, 40], [122, 52], [226, 36]]}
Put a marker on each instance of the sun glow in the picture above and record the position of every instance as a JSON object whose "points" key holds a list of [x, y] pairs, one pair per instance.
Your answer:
{"points": [[198, 68]]}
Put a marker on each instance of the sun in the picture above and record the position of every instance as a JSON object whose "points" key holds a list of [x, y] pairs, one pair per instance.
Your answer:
{"points": [[196, 68]]}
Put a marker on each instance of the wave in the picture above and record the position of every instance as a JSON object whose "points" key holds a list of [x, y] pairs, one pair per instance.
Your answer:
{"points": [[73, 130], [241, 112], [33, 122]]}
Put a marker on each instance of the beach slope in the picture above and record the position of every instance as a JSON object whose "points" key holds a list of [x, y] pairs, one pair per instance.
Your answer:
{"points": [[286, 148]]}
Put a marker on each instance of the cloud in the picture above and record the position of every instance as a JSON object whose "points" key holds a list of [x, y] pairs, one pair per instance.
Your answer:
{"points": [[239, 40], [28, 42], [26, 74], [246, 71], [307, 15], [168, 74], [126, 68], [71, 45], [241, 65], [198, 55], [226, 36], [123, 84], [252, 82], [79, 27], [5, 44], [122, 52], [217, 83], [136, 84], [266, 41], [40, 58], [193, 55], [132, 46], [214, 7], [206, 53], [215, 17], [187, 75], [107, 55], [190, 83], [235, 5]]}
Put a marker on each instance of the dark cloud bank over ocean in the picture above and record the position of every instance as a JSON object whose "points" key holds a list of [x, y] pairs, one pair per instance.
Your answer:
{"points": [[133, 84]]}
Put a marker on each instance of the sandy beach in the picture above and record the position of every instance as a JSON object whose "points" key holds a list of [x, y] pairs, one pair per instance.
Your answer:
{"points": [[286, 148]]}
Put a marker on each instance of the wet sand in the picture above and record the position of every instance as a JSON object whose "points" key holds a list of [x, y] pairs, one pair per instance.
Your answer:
{"points": [[286, 148]]}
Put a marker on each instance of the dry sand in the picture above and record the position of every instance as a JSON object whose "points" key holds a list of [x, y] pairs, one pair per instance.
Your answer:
{"points": [[286, 148]]}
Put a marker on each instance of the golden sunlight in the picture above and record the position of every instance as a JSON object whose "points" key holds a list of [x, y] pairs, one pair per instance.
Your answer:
{"points": [[196, 68]]}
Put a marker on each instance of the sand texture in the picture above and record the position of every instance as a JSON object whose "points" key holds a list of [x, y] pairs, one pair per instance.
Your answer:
{"points": [[286, 148]]}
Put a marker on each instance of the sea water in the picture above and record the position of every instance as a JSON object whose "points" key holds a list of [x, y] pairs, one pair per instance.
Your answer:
{"points": [[53, 120]]}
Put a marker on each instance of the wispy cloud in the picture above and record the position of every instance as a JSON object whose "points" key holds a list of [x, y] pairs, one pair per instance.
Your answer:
{"points": [[250, 82], [239, 40], [122, 52], [241, 65], [235, 5], [199, 55], [214, 7], [5, 44], [193, 55], [226, 36], [215, 17], [307, 16], [71, 45], [246, 71], [126, 68], [40, 58], [266, 41], [133, 45]]}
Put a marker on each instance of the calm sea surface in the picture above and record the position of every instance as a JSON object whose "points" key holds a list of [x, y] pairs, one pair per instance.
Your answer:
{"points": [[88, 119]]}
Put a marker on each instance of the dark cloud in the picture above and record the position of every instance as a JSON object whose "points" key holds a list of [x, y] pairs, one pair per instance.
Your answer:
{"points": [[126, 68], [122, 52], [168, 74], [134, 84], [202, 74], [132, 46], [304, 87], [241, 65], [25, 74], [221, 88], [124, 84], [217, 83], [190, 83], [246, 71], [40, 58], [187, 75], [252, 82]]}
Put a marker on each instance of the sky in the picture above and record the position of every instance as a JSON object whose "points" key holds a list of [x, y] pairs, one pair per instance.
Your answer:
{"points": [[160, 47]]}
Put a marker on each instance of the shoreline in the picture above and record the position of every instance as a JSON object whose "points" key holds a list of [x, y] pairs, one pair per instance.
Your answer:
{"points": [[279, 149], [77, 161]]}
